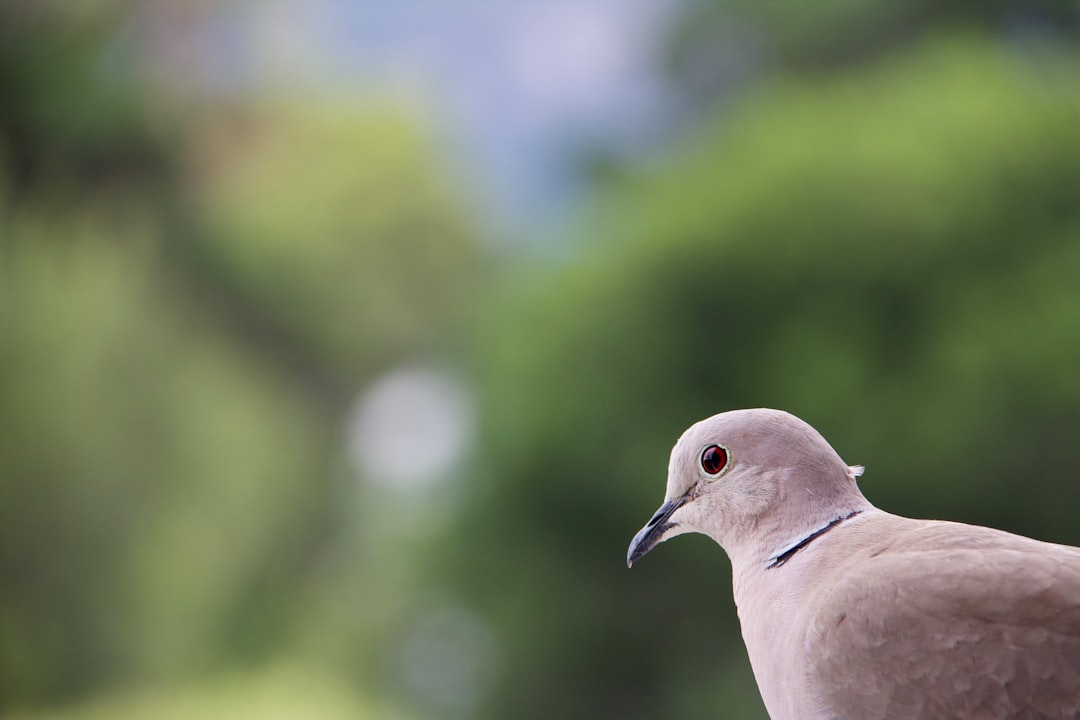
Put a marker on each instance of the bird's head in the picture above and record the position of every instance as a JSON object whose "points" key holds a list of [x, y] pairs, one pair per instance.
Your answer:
{"points": [[747, 475]]}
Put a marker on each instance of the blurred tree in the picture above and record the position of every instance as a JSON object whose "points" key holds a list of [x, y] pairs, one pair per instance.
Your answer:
{"points": [[889, 254], [718, 46], [278, 692], [186, 311], [326, 216], [70, 115], [154, 481]]}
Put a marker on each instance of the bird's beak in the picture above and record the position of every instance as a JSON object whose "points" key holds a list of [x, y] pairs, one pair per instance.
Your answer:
{"points": [[653, 533]]}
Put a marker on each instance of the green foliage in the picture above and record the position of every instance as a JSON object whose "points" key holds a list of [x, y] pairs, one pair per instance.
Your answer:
{"points": [[182, 326], [138, 446], [331, 220], [889, 254], [69, 110], [794, 37], [281, 692]]}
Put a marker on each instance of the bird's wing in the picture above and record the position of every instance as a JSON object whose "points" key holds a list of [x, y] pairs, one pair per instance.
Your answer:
{"points": [[950, 621]]}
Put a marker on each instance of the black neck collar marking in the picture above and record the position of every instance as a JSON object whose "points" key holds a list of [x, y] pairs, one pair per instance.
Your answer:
{"points": [[790, 552]]}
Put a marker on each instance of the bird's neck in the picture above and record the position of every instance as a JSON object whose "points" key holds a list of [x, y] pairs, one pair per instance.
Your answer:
{"points": [[783, 537], [782, 556]]}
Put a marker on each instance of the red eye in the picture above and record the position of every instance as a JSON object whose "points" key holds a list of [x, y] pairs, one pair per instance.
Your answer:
{"points": [[713, 459]]}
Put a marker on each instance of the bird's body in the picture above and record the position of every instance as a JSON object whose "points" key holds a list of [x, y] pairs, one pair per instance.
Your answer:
{"points": [[887, 617], [848, 611]]}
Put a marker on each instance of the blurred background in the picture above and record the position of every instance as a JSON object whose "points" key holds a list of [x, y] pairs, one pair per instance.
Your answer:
{"points": [[342, 344]]}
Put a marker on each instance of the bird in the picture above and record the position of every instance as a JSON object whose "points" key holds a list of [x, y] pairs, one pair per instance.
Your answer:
{"points": [[851, 612]]}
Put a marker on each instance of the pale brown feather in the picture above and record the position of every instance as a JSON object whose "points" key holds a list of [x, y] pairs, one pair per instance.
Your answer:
{"points": [[945, 620]]}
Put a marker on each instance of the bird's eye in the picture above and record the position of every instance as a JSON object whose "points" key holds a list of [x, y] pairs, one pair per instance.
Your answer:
{"points": [[714, 459]]}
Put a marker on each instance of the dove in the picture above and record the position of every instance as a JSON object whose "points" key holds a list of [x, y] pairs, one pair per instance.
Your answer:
{"points": [[848, 611]]}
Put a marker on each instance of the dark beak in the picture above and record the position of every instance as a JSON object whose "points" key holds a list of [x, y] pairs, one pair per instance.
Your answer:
{"points": [[648, 537]]}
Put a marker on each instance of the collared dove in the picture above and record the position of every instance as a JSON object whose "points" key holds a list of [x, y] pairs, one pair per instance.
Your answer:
{"points": [[848, 611]]}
